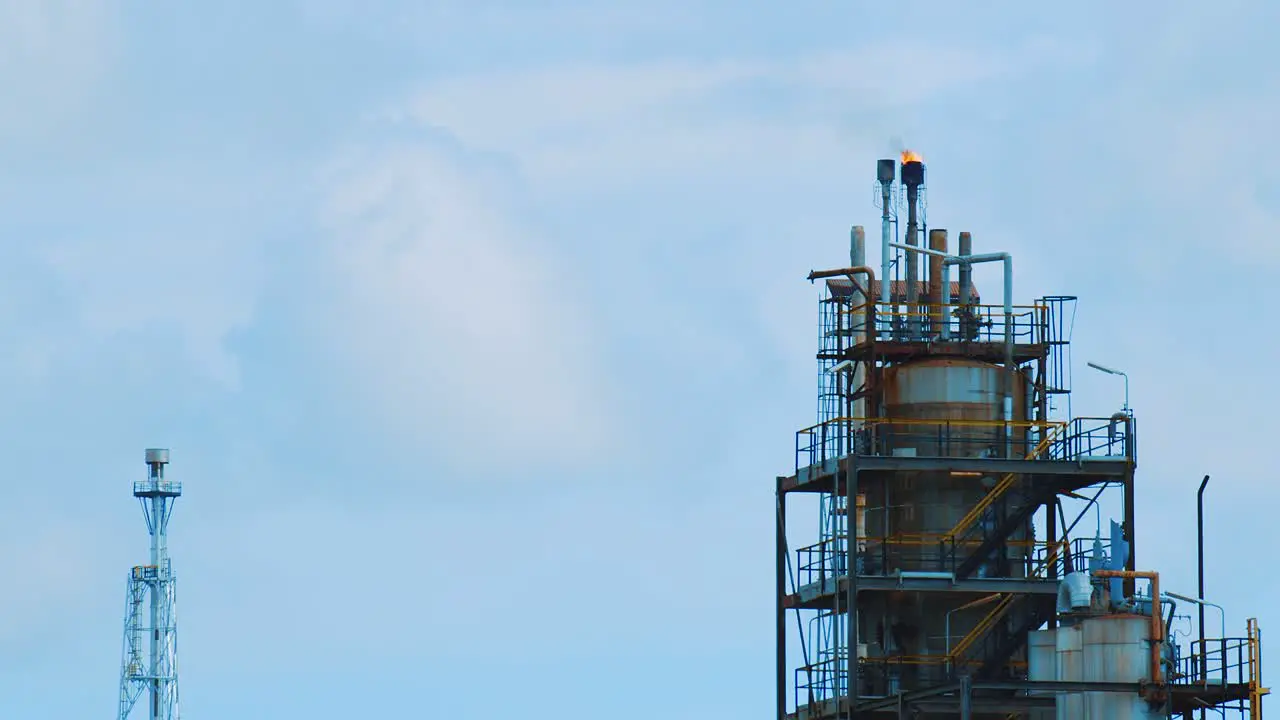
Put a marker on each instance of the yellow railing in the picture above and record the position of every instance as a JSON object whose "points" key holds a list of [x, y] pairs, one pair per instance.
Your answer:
{"points": [[983, 627], [1054, 547], [1005, 483], [1025, 323], [935, 660], [861, 309], [932, 539], [937, 422], [1256, 691]]}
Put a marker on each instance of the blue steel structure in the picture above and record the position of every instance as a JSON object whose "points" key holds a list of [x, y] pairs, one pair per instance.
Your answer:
{"points": [[150, 662]]}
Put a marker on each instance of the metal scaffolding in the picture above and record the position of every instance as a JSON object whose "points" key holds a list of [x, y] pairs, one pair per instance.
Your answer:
{"points": [[150, 662], [948, 491]]}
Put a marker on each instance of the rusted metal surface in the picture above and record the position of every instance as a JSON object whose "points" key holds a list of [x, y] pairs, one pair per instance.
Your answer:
{"points": [[1105, 649], [937, 241], [949, 389]]}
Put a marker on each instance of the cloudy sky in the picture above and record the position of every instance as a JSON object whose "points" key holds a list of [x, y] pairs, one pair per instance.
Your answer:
{"points": [[478, 330]]}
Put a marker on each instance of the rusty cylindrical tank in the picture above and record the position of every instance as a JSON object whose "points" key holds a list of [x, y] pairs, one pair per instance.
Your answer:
{"points": [[953, 407], [940, 396]]}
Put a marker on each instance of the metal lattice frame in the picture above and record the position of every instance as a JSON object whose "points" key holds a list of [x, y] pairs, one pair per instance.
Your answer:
{"points": [[154, 669]]}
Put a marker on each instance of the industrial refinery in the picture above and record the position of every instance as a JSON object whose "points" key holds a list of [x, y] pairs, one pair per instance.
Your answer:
{"points": [[950, 574]]}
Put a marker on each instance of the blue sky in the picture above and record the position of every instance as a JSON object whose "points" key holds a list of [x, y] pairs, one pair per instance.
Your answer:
{"points": [[479, 331]]}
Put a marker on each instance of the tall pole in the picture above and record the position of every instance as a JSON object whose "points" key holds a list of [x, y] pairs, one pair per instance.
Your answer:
{"points": [[1200, 573]]}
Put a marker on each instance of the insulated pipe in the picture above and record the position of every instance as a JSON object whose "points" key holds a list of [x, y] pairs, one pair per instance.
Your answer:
{"points": [[1157, 627], [858, 318], [848, 272], [937, 314], [1007, 259], [945, 302], [969, 260], [1222, 632]]}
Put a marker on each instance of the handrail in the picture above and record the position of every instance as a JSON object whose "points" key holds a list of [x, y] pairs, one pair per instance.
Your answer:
{"points": [[1005, 483], [957, 422], [982, 627], [1051, 557], [1256, 691]]}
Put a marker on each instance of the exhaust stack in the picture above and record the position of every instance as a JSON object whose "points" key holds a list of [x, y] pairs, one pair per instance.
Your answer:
{"points": [[886, 172], [913, 178]]}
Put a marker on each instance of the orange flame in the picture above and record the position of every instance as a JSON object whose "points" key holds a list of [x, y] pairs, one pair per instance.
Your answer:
{"points": [[911, 156]]}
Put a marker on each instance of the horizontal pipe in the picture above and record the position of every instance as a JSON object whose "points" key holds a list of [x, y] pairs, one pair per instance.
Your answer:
{"points": [[848, 272], [859, 270], [917, 248], [924, 575], [1204, 603]]}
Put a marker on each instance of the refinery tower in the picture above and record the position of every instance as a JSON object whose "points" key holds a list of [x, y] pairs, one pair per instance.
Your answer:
{"points": [[950, 574]]}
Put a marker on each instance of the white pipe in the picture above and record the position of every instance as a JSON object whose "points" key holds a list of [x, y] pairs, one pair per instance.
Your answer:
{"points": [[945, 301], [1222, 615], [925, 250], [970, 260], [1007, 259], [924, 575]]}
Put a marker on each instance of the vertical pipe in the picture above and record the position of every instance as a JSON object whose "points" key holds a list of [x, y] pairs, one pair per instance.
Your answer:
{"points": [[851, 600], [966, 284], [912, 239], [156, 472], [1008, 353], [937, 313], [945, 333], [858, 258], [966, 699], [885, 171], [780, 569], [1129, 519], [1200, 564]]}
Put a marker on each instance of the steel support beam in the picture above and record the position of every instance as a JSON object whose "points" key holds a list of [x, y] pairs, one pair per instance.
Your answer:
{"points": [[780, 563], [823, 596], [817, 478]]}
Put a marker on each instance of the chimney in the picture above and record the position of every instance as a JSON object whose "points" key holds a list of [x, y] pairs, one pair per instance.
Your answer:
{"points": [[937, 241], [913, 178], [885, 171]]}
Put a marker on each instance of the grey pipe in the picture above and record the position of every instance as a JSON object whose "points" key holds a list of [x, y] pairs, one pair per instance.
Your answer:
{"points": [[970, 260], [1007, 259], [885, 238], [913, 228]]}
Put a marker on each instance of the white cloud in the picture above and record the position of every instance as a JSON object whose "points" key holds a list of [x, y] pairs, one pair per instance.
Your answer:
{"points": [[55, 570], [459, 324], [52, 53], [197, 284], [662, 119]]}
